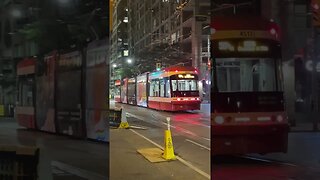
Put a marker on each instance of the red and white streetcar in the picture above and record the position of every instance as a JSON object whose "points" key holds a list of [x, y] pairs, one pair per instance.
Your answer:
{"points": [[170, 89], [25, 110], [247, 104]]}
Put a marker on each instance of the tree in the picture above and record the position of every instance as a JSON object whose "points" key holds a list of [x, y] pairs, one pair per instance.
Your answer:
{"points": [[164, 53], [57, 29]]}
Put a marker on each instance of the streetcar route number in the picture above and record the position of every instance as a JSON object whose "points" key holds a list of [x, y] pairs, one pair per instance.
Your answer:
{"points": [[247, 34]]}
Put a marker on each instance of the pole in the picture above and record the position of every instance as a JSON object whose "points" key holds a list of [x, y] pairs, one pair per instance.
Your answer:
{"points": [[168, 123], [314, 80]]}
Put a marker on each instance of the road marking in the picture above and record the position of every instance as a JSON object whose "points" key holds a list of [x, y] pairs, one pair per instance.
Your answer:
{"points": [[200, 124], [269, 161], [178, 158], [135, 116], [138, 127], [166, 124], [208, 139], [77, 171], [182, 130], [146, 139], [198, 144]]}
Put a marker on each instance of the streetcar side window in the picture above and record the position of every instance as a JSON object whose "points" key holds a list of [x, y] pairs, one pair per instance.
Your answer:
{"points": [[162, 88], [174, 85], [154, 88], [26, 98], [168, 92], [117, 90]]}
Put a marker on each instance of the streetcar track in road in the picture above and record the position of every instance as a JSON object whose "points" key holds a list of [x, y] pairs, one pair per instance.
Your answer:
{"points": [[198, 144], [269, 161], [142, 119], [77, 171], [171, 126], [200, 124], [206, 175], [186, 131]]}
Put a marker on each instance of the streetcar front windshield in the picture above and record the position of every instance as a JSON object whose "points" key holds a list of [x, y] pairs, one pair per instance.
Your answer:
{"points": [[247, 74], [184, 85]]}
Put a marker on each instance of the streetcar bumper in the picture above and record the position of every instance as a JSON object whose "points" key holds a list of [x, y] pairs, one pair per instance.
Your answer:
{"points": [[249, 139], [185, 105]]}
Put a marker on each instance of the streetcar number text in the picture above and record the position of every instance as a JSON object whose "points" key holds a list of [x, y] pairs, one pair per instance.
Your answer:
{"points": [[247, 34]]}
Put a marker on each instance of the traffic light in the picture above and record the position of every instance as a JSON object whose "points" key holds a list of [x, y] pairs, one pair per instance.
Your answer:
{"points": [[315, 6], [158, 66]]}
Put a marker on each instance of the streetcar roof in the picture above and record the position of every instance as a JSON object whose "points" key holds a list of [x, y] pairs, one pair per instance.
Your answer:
{"points": [[179, 68], [242, 23], [26, 66]]}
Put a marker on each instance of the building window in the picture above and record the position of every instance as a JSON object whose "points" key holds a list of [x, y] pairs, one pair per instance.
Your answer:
{"points": [[300, 14], [126, 53]]}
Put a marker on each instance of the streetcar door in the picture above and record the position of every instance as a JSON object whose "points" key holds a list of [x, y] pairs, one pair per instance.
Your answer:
{"points": [[69, 95]]}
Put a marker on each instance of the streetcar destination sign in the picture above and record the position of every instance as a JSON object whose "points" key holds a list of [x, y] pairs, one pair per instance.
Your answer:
{"points": [[249, 47], [187, 76]]}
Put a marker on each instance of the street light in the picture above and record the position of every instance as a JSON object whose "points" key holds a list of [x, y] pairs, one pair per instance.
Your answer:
{"points": [[129, 61], [114, 65], [16, 13]]}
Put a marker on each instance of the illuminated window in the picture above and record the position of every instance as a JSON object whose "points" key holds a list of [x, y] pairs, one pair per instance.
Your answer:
{"points": [[125, 20], [126, 53], [154, 88], [246, 75]]}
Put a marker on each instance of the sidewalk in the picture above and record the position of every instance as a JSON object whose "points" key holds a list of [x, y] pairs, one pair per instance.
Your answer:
{"points": [[304, 122], [304, 127], [61, 157], [126, 163]]}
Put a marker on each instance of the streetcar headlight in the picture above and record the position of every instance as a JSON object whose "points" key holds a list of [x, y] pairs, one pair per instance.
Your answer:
{"points": [[219, 120], [226, 46], [279, 118]]}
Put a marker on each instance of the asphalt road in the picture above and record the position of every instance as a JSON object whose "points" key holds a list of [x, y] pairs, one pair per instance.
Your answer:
{"points": [[301, 162]]}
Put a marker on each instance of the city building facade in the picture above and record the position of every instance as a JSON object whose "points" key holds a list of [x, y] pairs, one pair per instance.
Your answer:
{"points": [[14, 46], [164, 32], [118, 36]]}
